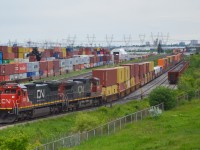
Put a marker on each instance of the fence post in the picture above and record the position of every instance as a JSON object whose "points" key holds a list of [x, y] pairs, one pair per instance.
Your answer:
{"points": [[79, 138], [136, 117], [94, 132], [120, 124], [125, 119], [101, 130], [53, 146], [131, 118], [87, 135], [114, 127], [63, 142], [108, 128], [141, 114]]}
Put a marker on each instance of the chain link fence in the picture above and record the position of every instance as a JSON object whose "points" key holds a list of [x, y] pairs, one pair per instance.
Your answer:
{"points": [[106, 129]]}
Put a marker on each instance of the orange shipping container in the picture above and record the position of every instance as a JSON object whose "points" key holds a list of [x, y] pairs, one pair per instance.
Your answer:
{"points": [[161, 62]]}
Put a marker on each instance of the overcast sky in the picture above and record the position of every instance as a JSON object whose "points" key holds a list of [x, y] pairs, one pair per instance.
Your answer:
{"points": [[55, 19]]}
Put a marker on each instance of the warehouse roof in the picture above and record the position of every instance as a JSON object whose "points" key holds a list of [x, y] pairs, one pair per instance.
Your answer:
{"points": [[120, 51]]}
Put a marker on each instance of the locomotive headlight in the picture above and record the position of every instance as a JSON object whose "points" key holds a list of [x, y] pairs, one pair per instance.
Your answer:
{"points": [[13, 96]]}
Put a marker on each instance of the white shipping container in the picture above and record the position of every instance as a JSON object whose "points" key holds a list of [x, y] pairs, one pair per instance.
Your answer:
{"points": [[13, 77], [22, 76], [32, 66], [69, 62], [87, 65], [62, 63], [50, 58]]}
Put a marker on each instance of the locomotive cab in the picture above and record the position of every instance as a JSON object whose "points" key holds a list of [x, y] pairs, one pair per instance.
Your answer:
{"points": [[96, 88], [13, 96]]}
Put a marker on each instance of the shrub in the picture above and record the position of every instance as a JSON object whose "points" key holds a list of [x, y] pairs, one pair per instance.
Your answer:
{"points": [[85, 122], [19, 142], [163, 95]]}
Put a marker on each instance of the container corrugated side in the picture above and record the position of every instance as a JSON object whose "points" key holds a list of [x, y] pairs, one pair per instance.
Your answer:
{"points": [[108, 76]]}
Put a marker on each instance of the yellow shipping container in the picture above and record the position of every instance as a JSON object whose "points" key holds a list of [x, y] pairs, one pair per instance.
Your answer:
{"points": [[20, 55], [21, 50], [114, 89], [120, 74], [127, 73], [107, 90], [128, 84], [9, 49], [12, 61], [151, 66], [64, 52], [132, 81]]}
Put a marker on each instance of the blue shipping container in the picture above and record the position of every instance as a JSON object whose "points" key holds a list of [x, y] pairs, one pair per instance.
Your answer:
{"points": [[31, 74], [1, 56], [69, 49], [1, 61]]}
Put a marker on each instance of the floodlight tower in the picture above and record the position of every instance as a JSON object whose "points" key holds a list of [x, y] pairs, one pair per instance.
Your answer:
{"points": [[127, 40], [109, 40], [90, 40], [70, 41], [155, 38], [165, 38], [142, 38]]}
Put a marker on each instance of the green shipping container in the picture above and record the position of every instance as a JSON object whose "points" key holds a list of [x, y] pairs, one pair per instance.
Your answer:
{"points": [[6, 61]]}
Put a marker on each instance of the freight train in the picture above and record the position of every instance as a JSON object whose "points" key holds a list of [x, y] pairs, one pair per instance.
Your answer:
{"points": [[22, 101], [174, 75]]}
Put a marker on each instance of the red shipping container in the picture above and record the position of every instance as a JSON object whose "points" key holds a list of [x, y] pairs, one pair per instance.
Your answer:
{"points": [[91, 65], [97, 59], [137, 80], [15, 50], [15, 55], [57, 49], [92, 59], [49, 65], [56, 65], [43, 65], [20, 68], [5, 78], [141, 68], [4, 49], [107, 76], [7, 55], [46, 54], [147, 67], [69, 54], [32, 58], [50, 72], [121, 87], [131, 66], [136, 69], [7, 69], [76, 67]]}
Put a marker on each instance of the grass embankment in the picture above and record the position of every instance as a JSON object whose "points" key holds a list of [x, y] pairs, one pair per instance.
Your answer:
{"points": [[175, 129], [189, 82], [35, 133]]}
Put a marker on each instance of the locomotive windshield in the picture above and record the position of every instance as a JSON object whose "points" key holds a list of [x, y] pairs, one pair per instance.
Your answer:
{"points": [[10, 91]]}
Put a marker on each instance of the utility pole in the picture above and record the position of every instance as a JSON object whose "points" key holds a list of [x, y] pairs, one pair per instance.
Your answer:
{"points": [[90, 40], [127, 40], [109, 40], [142, 38]]}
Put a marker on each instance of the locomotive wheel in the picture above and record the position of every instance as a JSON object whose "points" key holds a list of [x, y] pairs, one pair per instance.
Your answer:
{"points": [[7, 118]]}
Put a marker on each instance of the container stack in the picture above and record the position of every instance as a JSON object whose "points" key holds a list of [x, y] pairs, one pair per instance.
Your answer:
{"points": [[108, 80]]}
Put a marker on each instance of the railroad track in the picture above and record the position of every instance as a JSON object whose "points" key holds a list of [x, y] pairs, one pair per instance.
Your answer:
{"points": [[146, 89], [85, 75]]}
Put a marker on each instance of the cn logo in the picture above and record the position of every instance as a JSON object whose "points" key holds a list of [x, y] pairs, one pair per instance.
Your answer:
{"points": [[40, 94]]}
